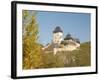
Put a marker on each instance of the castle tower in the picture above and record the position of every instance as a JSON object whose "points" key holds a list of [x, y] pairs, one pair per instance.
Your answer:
{"points": [[57, 35]]}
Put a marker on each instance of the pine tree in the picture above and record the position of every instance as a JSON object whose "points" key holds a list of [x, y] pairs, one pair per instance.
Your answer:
{"points": [[32, 56]]}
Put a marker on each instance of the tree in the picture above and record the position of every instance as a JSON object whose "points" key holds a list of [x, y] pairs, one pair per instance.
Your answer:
{"points": [[32, 56]]}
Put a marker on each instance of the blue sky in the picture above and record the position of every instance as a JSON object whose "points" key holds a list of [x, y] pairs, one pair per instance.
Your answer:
{"points": [[77, 24]]}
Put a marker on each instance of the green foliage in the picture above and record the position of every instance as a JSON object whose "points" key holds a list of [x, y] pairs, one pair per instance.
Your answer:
{"points": [[80, 57], [49, 60], [85, 56], [52, 60]]}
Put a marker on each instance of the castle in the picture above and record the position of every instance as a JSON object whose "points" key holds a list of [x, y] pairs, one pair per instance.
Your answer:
{"points": [[61, 44]]}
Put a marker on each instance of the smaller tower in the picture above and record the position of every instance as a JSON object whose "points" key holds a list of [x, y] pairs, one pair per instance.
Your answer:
{"points": [[57, 35], [68, 37]]}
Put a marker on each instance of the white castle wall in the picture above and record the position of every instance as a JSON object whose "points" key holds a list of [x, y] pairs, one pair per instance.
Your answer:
{"points": [[67, 48], [57, 37], [68, 45]]}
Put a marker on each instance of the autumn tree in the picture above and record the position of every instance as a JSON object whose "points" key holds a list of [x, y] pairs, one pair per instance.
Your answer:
{"points": [[32, 56]]}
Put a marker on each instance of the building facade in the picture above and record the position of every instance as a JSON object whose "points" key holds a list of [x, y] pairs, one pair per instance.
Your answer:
{"points": [[62, 44]]}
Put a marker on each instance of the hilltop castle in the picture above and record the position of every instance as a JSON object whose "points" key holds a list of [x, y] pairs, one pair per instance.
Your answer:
{"points": [[61, 44]]}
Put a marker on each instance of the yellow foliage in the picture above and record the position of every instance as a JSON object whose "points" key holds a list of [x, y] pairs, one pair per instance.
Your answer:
{"points": [[32, 57]]}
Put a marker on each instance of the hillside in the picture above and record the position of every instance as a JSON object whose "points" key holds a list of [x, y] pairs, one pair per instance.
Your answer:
{"points": [[79, 57]]}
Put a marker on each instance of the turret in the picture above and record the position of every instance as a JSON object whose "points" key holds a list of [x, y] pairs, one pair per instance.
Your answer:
{"points": [[57, 35], [68, 37]]}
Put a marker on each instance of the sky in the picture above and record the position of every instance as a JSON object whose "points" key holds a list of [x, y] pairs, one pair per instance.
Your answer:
{"points": [[77, 24]]}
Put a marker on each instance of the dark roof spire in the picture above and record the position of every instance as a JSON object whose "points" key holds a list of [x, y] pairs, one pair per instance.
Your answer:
{"points": [[68, 37], [57, 29]]}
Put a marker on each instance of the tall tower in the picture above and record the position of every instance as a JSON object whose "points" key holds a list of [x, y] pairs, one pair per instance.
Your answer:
{"points": [[57, 35]]}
